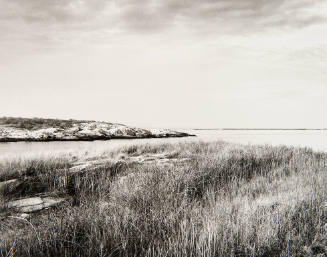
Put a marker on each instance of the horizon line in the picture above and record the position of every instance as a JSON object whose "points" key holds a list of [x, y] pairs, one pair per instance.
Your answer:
{"points": [[259, 128]]}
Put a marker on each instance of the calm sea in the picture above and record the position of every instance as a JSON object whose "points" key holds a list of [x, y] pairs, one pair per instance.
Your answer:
{"points": [[315, 139]]}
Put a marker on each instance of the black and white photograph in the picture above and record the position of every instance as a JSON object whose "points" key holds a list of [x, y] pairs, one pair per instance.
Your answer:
{"points": [[163, 128]]}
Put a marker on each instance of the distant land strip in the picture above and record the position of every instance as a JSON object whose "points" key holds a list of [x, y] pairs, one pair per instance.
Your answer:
{"points": [[14, 129], [260, 129]]}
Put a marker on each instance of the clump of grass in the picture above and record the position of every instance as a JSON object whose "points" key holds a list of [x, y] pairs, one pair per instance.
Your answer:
{"points": [[227, 200], [36, 176], [18, 168]]}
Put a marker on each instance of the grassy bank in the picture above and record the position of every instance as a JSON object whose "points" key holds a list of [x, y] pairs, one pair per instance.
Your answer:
{"points": [[211, 199]]}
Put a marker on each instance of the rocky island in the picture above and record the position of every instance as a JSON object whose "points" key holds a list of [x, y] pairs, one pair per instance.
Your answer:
{"points": [[36, 129]]}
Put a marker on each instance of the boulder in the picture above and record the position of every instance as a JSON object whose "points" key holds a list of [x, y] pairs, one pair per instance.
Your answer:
{"points": [[34, 204], [25, 202], [9, 184]]}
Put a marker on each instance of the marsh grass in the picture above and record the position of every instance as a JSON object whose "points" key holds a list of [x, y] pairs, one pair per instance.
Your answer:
{"points": [[227, 200]]}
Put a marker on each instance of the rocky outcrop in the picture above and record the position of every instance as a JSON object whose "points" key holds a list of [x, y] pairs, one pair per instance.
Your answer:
{"points": [[33, 204], [86, 131], [9, 185], [158, 159], [23, 206]]}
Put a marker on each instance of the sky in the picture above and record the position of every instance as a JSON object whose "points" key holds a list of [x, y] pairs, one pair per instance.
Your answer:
{"points": [[166, 63]]}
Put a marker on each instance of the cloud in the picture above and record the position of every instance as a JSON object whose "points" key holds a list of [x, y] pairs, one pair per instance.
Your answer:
{"points": [[49, 18], [215, 15], [47, 11]]}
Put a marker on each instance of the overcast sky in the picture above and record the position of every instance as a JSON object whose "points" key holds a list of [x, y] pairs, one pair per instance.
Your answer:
{"points": [[166, 63]]}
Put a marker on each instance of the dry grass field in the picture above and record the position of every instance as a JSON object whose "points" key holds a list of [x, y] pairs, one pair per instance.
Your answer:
{"points": [[183, 199]]}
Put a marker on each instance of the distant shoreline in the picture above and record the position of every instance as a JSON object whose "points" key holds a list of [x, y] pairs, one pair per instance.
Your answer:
{"points": [[260, 129], [88, 139], [14, 129]]}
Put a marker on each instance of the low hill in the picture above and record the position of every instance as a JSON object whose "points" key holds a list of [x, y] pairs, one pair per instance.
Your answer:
{"points": [[37, 129]]}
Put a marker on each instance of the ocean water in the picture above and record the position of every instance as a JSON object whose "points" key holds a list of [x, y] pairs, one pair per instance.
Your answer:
{"points": [[315, 139]]}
